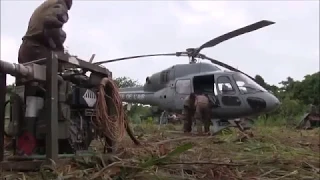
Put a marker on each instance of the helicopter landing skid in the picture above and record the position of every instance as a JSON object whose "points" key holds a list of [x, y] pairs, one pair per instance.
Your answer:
{"points": [[219, 125]]}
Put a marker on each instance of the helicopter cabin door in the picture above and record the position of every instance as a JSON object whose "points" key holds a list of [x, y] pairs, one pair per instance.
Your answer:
{"points": [[183, 88], [227, 94]]}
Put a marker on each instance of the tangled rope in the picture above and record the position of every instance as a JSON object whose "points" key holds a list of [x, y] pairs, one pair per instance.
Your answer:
{"points": [[111, 125]]}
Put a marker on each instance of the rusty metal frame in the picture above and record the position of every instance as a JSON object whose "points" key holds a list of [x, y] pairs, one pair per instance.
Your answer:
{"points": [[49, 75], [79, 63], [51, 104], [3, 90]]}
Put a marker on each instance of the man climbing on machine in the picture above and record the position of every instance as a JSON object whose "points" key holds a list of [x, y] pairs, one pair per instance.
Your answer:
{"points": [[44, 35]]}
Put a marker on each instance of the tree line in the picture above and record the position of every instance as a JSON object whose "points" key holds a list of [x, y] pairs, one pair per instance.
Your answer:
{"points": [[296, 96]]}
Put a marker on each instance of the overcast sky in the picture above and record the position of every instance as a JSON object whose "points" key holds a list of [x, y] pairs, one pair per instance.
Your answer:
{"points": [[112, 29]]}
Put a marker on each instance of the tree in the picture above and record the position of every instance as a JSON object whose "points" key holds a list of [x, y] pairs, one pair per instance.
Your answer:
{"points": [[288, 83], [260, 81], [10, 88], [294, 95], [308, 90], [136, 110], [124, 82]]}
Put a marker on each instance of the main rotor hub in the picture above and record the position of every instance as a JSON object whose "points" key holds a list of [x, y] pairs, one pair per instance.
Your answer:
{"points": [[192, 60], [192, 54], [190, 50]]}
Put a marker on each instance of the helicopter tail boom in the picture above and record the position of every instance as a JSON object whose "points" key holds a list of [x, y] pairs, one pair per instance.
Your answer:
{"points": [[137, 95]]}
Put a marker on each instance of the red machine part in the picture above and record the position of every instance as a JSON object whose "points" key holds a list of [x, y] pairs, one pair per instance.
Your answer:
{"points": [[26, 143]]}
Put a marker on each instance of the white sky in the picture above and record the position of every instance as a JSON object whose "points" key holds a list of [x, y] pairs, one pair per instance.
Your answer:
{"points": [[113, 29]]}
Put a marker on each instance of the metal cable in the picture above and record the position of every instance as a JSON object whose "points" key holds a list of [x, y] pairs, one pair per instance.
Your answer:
{"points": [[112, 126]]}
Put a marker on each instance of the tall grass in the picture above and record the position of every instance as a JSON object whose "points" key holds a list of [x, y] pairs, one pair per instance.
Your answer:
{"points": [[278, 120]]}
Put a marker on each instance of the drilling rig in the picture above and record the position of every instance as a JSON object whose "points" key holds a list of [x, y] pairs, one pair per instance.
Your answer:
{"points": [[62, 118]]}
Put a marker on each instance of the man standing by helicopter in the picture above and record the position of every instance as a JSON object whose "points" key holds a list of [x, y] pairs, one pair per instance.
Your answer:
{"points": [[202, 115], [44, 35], [188, 112], [197, 108]]}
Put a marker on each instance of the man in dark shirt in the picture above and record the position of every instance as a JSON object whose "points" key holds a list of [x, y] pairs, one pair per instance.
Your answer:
{"points": [[188, 112], [44, 33]]}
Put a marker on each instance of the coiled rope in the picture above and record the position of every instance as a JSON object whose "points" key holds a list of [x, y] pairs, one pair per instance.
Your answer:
{"points": [[111, 125]]}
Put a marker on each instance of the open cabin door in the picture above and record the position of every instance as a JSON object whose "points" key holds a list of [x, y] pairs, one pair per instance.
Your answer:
{"points": [[227, 94], [182, 89]]}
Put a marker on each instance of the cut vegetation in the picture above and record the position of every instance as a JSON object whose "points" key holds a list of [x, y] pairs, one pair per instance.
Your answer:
{"points": [[272, 153]]}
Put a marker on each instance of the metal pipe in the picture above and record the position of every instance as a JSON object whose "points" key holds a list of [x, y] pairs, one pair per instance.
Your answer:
{"points": [[21, 70], [15, 69], [3, 89], [51, 105]]}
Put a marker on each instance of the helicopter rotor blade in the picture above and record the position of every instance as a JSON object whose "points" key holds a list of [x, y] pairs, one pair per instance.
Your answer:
{"points": [[140, 56], [236, 33], [214, 61]]}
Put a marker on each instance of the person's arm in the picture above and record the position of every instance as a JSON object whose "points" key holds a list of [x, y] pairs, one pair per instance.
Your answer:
{"points": [[55, 16], [60, 40]]}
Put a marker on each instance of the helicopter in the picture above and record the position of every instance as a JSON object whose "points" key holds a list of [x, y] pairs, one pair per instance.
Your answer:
{"points": [[234, 93]]}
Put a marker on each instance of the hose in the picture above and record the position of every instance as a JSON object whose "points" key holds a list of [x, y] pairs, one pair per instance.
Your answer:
{"points": [[113, 125]]}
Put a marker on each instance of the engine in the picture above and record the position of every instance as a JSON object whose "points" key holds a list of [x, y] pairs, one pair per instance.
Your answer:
{"points": [[61, 93], [76, 110]]}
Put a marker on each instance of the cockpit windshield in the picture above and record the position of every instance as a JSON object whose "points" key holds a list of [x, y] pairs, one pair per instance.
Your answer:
{"points": [[247, 85]]}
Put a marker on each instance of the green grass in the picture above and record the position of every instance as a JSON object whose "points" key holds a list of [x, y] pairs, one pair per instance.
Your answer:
{"points": [[278, 121], [272, 153]]}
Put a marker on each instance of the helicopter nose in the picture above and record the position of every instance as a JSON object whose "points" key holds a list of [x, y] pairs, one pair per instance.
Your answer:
{"points": [[272, 102]]}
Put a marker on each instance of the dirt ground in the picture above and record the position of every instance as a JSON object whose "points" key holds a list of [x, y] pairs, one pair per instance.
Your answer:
{"points": [[166, 153]]}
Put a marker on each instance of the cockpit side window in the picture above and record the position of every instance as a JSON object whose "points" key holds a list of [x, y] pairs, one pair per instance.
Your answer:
{"points": [[183, 86], [225, 86], [247, 85], [227, 92]]}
